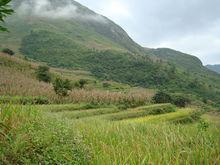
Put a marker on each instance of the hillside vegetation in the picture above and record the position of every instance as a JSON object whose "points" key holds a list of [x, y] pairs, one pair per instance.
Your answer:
{"points": [[101, 47], [78, 90], [18, 78]]}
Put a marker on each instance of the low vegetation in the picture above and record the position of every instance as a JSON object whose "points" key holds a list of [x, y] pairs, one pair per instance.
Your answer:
{"points": [[80, 134], [143, 111], [98, 122], [29, 138], [8, 51], [43, 74]]}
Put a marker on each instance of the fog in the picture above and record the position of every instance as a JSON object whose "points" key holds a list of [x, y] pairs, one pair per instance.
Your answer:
{"points": [[49, 9]]}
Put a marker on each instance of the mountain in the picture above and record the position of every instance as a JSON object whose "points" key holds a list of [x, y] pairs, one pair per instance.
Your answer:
{"points": [[183, 60], [215, 68], [65, 34]]}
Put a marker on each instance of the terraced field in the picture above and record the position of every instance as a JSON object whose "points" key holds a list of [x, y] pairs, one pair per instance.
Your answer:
{"points": [[151, 134], [151, 113]]}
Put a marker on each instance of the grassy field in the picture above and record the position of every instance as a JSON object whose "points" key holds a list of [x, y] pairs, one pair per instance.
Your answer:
{"points": [[83, 134]]}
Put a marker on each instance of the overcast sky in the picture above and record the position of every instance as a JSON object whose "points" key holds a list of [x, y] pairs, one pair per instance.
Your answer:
{"points": [[191, 26]]}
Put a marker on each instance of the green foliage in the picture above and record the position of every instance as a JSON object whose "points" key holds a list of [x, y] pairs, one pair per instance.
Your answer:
{"points": [[162, 97], [181, 101], [106, 85], [203, 126], [120, 66], [24, 100], [43, 74], [82, 83], [28, 137], [61, 87], [4, 12], [8, 51]]}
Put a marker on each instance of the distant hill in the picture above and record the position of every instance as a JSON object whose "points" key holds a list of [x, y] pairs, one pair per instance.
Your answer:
{"points": [[215, 68], [65, 34], [183, 60]]}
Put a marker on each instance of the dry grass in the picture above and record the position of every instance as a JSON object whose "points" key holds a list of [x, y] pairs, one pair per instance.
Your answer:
{"points": [[17, 78]]}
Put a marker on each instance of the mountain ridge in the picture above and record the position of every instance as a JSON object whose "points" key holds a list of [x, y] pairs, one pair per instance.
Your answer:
{"points": [[215, 68], [104, 49]]}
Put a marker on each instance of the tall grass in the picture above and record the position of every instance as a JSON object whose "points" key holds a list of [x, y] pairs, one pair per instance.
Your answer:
{"points": [[144, 143], [26, 137], [17, 78]]}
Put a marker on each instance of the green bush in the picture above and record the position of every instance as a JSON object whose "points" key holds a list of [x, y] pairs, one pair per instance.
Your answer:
{"points": [[43, 74], [61, 87], [82, 83], [106, 85], [181, 101], [162, 97], [8, 51]]}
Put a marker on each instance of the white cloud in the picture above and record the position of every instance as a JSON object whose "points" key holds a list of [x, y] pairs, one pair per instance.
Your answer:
{"points": [[46, 9]]}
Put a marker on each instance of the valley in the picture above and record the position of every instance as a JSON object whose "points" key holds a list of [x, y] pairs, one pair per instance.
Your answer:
{"points": [[76, 89]]}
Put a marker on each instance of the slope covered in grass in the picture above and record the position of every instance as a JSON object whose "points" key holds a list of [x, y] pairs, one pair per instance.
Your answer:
{"points": [[36, 134], [28, 137], [19, 84], [105, 50]]}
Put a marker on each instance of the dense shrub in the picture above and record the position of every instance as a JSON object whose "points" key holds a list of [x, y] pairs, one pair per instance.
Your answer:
{"points": [[162, 97], [61, 87], [43, 74], [162, 110], [8, 51], [181, 101], [82, 83]]}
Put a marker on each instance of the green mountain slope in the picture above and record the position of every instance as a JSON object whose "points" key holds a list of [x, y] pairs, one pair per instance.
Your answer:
{"points": [[185, 61], [78, 38], [215, 68]]}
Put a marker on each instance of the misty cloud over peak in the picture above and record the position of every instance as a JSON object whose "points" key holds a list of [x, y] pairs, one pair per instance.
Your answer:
{"points": [[56, 10]]}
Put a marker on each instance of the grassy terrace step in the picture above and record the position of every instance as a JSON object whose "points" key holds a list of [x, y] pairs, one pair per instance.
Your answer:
{"points": [[143, 111], [170, 117], [89, 113], [69, 107]]}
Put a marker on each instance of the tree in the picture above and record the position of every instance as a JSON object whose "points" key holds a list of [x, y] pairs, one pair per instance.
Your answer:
{"points": [[43, 74], [162, 97], [61, 87], [8, 51], [181, 101], [4, 12]]}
